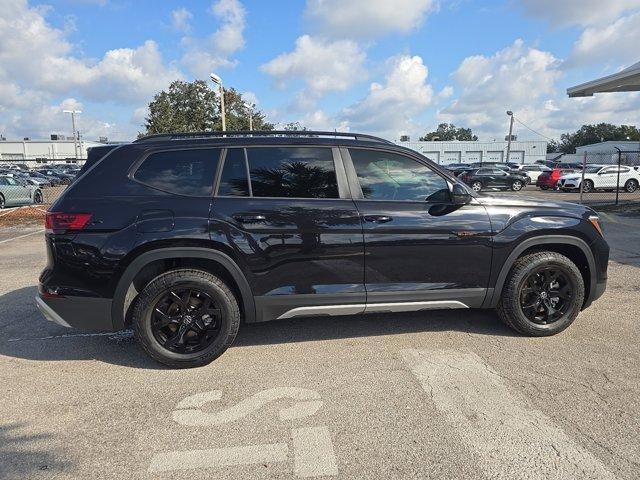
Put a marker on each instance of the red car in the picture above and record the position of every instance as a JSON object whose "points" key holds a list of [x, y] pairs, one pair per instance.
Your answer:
{"points": [[548, 180]]}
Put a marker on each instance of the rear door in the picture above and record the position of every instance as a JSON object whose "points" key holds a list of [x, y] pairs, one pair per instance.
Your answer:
{"points": [[287, 215], [419, 247]]}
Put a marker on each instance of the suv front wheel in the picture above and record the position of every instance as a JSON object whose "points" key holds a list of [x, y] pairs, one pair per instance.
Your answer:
{"points": [[543, 294], [186, 318]]}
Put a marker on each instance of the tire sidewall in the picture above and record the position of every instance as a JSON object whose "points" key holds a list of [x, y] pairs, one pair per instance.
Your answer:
{"points": [[151, 294], [631, 186], [588, 186], [478, 183], [520, 321], [519, 186]]}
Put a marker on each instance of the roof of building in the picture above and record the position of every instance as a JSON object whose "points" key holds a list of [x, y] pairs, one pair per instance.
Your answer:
{"points": [[627, 80]]}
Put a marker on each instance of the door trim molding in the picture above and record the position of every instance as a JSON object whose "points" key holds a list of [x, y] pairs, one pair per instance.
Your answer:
{"points": [[354, 309]]}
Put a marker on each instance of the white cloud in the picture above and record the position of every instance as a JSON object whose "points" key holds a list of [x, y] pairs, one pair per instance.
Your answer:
{"points": [[39, 68], [525, 80], [393, 108], [617, 42], [515, 78], [180, 19], [368, 18], [579, 12], [324, 65], [202, 56]]}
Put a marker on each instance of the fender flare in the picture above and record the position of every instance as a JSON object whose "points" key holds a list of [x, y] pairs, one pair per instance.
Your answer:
{"points": [[119, 297], [544, 240]]}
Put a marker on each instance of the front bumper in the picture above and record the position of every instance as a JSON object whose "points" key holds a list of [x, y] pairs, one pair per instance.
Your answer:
{"points": [[84, 313], [563, 183]]}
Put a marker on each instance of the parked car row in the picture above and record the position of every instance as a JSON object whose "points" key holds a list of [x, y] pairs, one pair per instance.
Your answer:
{"points": [[547, 176], [21, 185]]}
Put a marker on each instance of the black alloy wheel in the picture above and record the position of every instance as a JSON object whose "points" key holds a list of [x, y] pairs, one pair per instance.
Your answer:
{"points": [[37, 197], [547, 294], [185, 320]]}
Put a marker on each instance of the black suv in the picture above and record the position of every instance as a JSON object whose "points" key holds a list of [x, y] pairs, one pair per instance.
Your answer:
{"points": [[182, 237], [492, 177]]}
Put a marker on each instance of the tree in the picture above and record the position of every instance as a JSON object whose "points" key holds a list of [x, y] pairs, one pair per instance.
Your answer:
{"points": [[602, 132], [553, 146], [447, 132], [194, 107], [294, 127]]}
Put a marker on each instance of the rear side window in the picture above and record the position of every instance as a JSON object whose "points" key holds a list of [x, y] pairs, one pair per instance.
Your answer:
{"points": [[234, 180], [292, 172], [183, 172]]}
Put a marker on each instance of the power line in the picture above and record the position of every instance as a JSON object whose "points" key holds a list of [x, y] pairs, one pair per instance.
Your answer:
{"points": [[534, 131]]}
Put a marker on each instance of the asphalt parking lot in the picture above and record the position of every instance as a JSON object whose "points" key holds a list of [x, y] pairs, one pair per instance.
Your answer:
{"points": [[432, 395]]}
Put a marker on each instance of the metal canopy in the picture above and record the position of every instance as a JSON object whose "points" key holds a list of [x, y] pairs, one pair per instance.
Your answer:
{"points": [[628, 80]]}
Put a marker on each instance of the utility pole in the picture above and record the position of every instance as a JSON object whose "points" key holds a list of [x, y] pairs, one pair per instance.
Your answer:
{"points": [[76, 137], [217, 80], [510, 113], [249, 108]]}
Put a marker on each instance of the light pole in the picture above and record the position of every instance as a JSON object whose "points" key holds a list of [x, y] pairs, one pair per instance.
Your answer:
{"points": [[510, 113], [73, 126], [249, 108], [218, 81]]}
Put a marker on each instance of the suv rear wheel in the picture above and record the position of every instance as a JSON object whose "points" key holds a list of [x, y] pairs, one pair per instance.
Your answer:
{"points": [[543, 294], [186, 318], [631, 185], [516, 186]]}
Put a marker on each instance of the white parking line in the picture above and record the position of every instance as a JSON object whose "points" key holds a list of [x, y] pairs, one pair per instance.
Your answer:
{"points": [[20, 236], [313, 452], [510, 439], [219, 457]]}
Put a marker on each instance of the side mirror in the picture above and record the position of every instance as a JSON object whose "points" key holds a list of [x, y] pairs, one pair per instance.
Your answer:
{"points": [[460, 195]]}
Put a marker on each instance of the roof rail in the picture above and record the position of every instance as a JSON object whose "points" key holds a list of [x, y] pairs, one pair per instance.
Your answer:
{"points": [[260, 133]]}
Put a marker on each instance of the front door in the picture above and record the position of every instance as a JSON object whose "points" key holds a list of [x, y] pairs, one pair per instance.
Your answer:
{"points": [[421, 251], [293, 229]]}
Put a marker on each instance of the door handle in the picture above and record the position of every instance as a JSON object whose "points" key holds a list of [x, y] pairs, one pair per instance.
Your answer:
{"points": [[377, 218], [250, 218]]}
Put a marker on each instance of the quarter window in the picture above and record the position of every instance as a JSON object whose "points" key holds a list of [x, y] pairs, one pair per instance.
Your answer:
{"points": [[184, 172], [234, 180], [292, 172], [389, 176]]}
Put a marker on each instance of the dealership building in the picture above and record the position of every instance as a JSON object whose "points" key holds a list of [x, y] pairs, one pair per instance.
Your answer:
{"points": [[44, 150], [527, 151]]}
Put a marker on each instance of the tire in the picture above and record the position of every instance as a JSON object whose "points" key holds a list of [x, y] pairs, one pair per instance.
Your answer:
{"points": [[202, 282], [544, 187], [631, 185], [509, 308], [476, 186], [516, 186], [587, 186], [37, 197], [2, 202]]}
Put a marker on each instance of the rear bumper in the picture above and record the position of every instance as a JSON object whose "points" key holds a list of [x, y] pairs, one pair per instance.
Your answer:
{"points": [[84, 313]]}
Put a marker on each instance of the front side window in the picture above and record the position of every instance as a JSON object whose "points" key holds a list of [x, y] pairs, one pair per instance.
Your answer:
{"points": [[184, 172], [292, 172], [390, 176]]}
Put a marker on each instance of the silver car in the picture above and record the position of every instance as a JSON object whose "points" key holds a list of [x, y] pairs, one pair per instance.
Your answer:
{"points": [[14, 193]]}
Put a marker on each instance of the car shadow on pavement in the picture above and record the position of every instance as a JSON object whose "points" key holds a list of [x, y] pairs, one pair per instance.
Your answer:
{"points": [[26, 334], [21, 456]]}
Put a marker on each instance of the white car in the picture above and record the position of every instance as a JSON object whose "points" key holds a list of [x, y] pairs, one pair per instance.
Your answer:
{"points": [[601, 177], [533, 171]]}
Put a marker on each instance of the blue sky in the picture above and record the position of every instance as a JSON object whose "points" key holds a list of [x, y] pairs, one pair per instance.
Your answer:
{"points": [[376, 66]]}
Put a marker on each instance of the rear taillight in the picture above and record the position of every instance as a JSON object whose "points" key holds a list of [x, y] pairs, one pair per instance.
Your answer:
{"points": [[57, 222]]}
